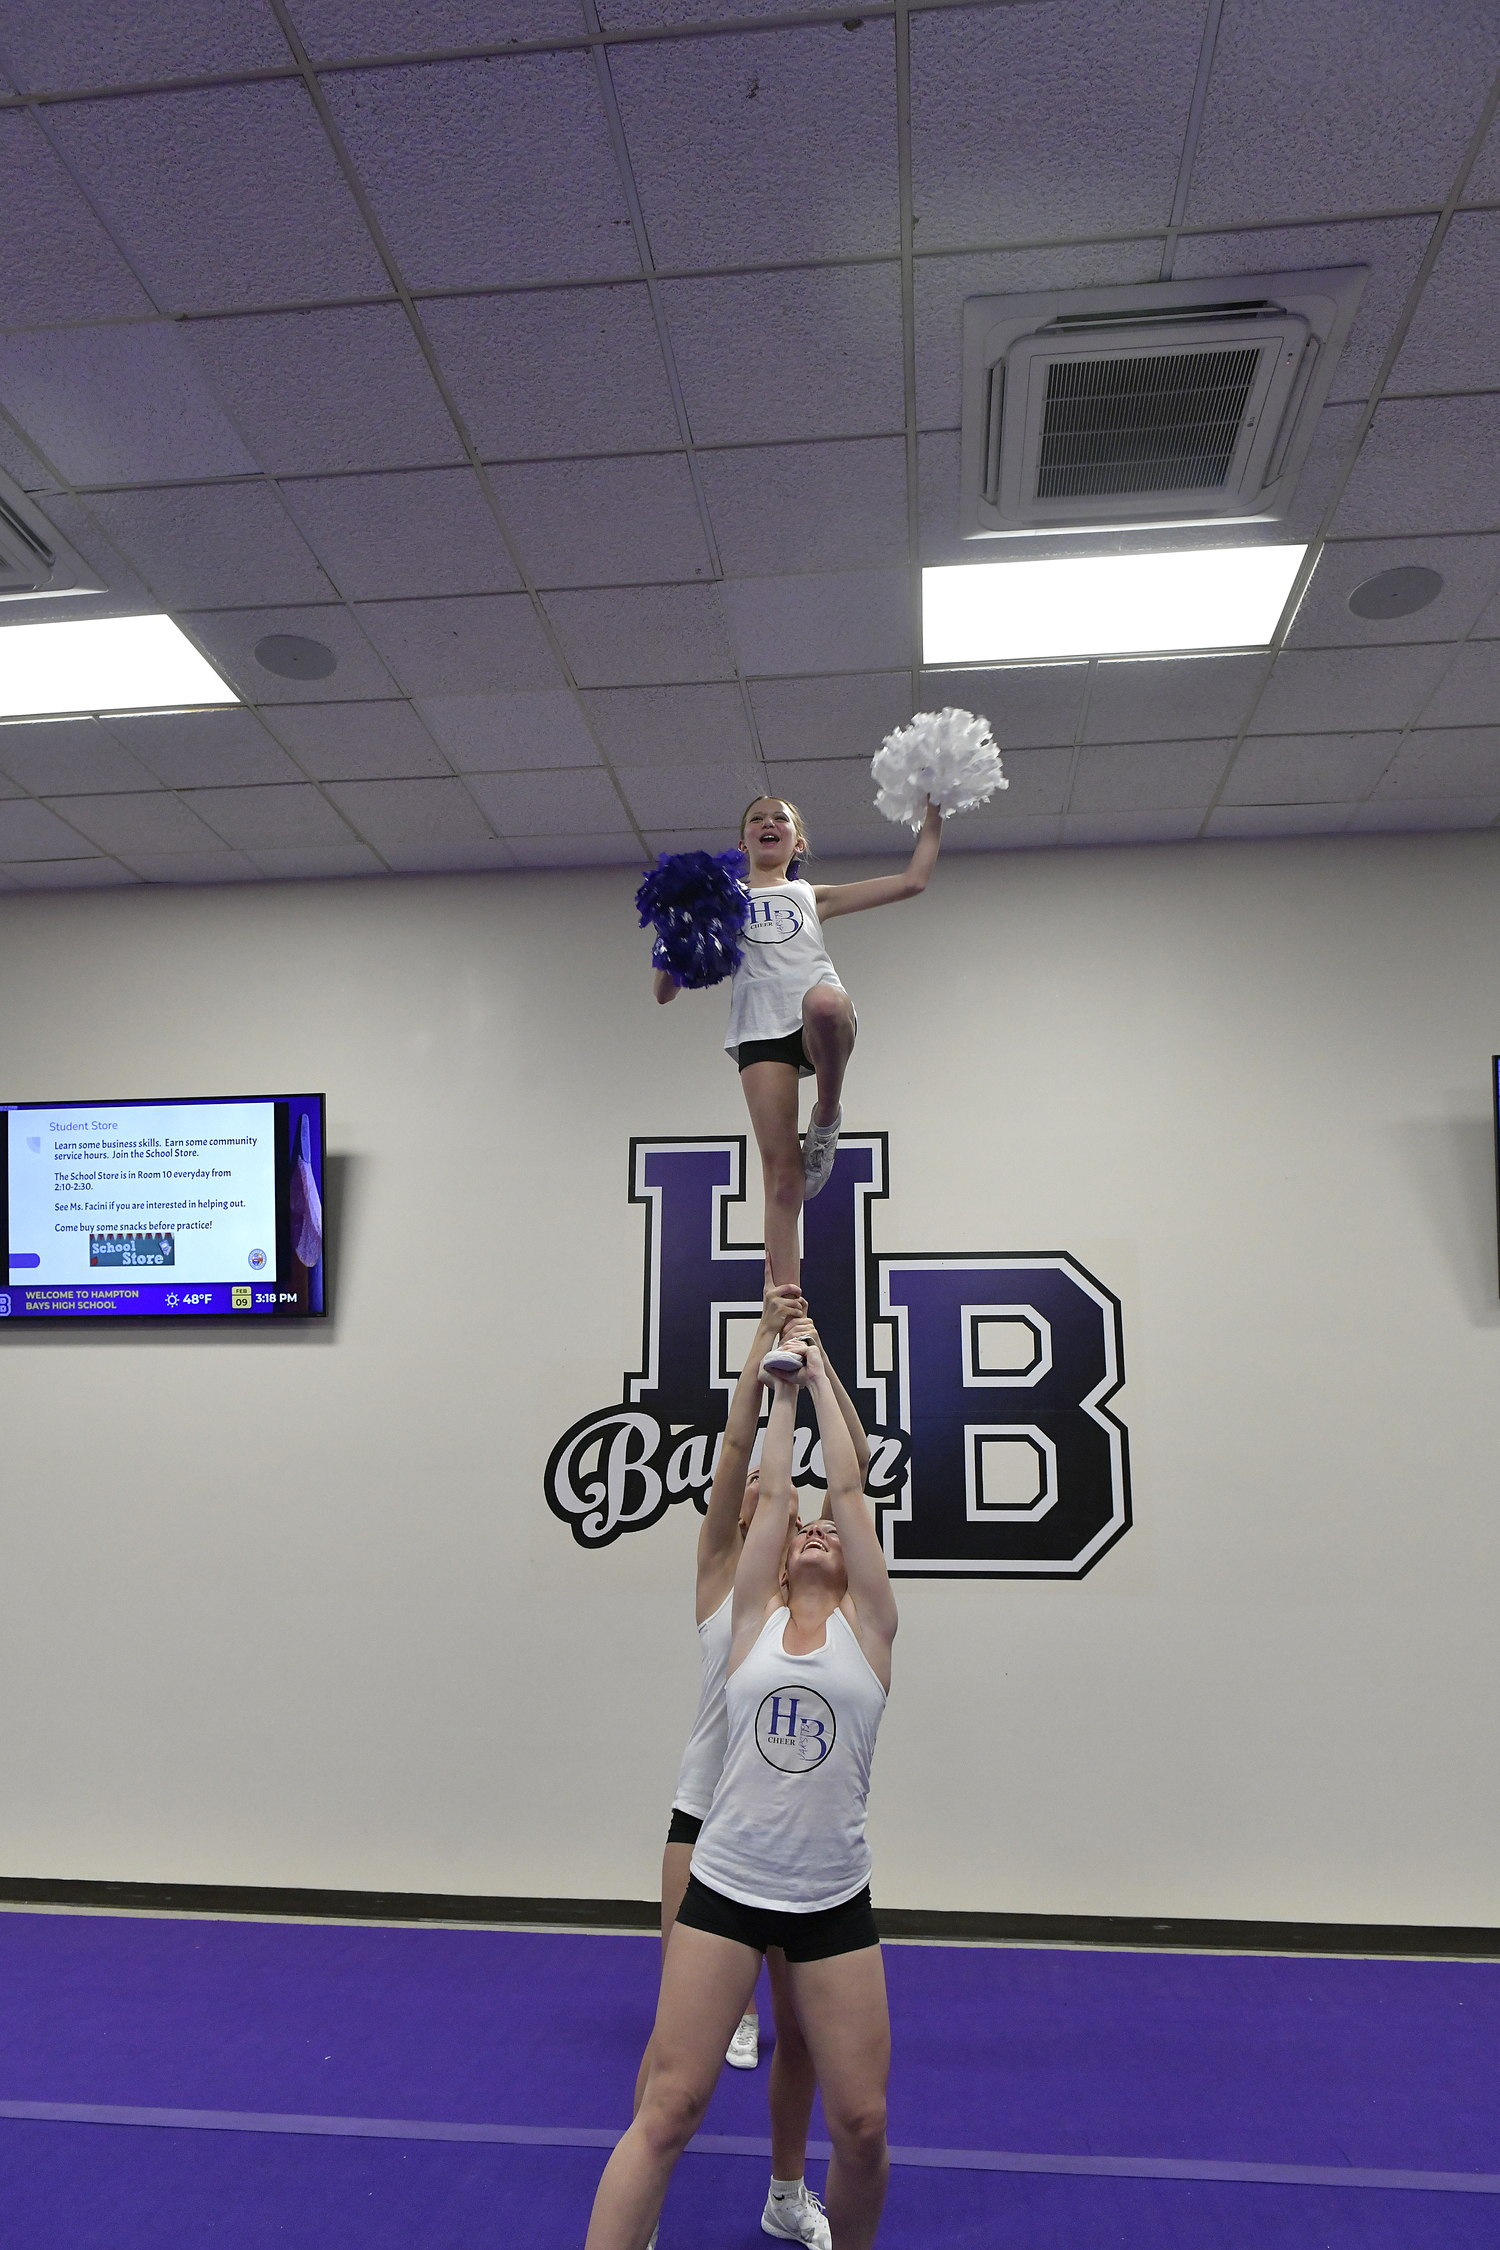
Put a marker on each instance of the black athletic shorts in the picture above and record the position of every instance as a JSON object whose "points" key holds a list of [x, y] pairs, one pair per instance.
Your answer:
{"points": [[683, 1827], [787, 1050], [802, 1937]]}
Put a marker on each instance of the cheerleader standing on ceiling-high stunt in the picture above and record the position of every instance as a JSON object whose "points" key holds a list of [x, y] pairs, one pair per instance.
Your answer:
{"points": [[789, 1016]]}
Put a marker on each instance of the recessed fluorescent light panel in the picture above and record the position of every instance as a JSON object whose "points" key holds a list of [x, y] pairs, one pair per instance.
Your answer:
{"points": [[103, 664], [1106, 605]]}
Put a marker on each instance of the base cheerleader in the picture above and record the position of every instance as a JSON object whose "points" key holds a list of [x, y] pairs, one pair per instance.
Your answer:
{"points": [[781, 1858], [789, 1016]]}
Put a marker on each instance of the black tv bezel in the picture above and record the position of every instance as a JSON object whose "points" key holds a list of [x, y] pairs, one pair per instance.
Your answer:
{"points": [[184, 1322]]}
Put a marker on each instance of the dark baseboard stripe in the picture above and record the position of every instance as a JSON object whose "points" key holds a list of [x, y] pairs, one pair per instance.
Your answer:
{"points": [[1140, 1931]]}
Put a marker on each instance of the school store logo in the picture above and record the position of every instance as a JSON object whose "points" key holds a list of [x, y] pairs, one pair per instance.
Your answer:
{"points": [[983, 1380]]}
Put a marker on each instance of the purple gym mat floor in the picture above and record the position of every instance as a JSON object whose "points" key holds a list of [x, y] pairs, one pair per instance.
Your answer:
{"points": [[363, 2088]]}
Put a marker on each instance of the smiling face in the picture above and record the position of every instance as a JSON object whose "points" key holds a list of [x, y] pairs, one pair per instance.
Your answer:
{"points": [[770, 837], [815, 1561]]}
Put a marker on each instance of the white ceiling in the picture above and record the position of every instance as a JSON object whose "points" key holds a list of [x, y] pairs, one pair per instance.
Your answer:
{"points": [[592, 393]]}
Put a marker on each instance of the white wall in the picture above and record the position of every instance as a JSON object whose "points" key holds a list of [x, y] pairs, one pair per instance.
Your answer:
{"points": [[289, 1608]]}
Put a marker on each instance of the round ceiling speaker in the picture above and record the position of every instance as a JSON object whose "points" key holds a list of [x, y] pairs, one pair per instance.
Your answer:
{"points": [[291, 657], [1396, 593]]}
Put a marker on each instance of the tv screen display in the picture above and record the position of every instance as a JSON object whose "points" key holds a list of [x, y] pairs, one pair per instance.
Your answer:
{"points": [[163, 1209]]}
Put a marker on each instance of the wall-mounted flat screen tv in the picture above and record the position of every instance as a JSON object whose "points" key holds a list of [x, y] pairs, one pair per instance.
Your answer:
{"points": [[166, 1210]]}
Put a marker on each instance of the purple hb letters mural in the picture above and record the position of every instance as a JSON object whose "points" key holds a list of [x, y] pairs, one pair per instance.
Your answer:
{"points": [[984, 1381]]}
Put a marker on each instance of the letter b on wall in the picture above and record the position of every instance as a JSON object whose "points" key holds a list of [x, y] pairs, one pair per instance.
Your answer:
{"points": [[1003, 1367]]}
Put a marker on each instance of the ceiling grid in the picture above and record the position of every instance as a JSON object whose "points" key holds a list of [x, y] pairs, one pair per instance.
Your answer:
{"points": [[599, 551]]}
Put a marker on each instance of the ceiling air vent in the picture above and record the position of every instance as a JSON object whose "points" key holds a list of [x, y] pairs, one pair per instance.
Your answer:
{"points": [[1176, 402], [34, 557]]}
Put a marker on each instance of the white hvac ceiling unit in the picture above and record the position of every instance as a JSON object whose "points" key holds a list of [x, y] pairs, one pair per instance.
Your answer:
{"points": [[1174, 402], [35, 559]]}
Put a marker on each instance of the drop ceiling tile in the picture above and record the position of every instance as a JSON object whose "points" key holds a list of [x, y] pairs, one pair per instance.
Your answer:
{"points": [[640, 635], [941, 284], [1340, 688], [357, 741], [774, 145], [586, 851], [510, 733], [1161, 825], [782, 508], [203, 749], [1483, 184], [207, 546], [124, 595], [846, 717], [832, 792], [1359, 120], [1171, 698], [710, 797], [67, 875], [399, 817], [30, 831], [414, 531], [1028, 832], [72, 271], [1444, 762], [1038, 784], [1034, 123], [1308, 769], [555, 371], [259, 820], [462, 646], [489, 172], [1147, 777], [828, 621], [1027, 705], [343, 388], [69, 758], [1278, 820], [1392, 249], [1430, 464], [939, 477], [1468, 568], [124, 405], [9, 788], [573, 801], [74, 43], [20, 459], [229, 638], [185, 184], [145, 822], [1333, 437], [458, 856], [770, 357], [194, 867], [1451, 343], [1414, 815], [372, 27], [308, 863], [658, 726], [1469, 694], [630, 15], [617, 522]]}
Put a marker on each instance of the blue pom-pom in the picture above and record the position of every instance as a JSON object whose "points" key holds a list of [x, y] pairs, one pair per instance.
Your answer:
{"points": [[698, 904]]}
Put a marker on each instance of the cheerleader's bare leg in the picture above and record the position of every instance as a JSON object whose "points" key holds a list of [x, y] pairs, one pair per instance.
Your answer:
{"points": [[706, 1981], [828, 1031], [771, 1097], [792, 2079], [841, 2003]]}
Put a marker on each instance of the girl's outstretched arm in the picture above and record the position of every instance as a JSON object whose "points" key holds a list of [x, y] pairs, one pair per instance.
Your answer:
{"points": [[718, 1539], [802, 1329], [869, 1580], [664, 987], [758, 1575], [884, 890]]}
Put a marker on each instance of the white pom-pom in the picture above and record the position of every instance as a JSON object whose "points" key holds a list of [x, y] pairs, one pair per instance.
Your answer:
{"points": [[948, 755]]}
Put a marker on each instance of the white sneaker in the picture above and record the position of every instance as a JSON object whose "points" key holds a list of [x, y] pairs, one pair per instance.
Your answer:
{"points": [[799, 2218], [655, 2231], [820, 1145], [782, 1361], [743, 2051]]}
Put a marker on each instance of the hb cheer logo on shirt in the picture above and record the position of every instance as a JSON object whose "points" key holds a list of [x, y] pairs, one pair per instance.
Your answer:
{"points": [[794, 1729], [771, 921], [983, 1379]]}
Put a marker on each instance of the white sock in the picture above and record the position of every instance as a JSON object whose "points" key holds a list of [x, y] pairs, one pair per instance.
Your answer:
{"points": [[786, 2191]]}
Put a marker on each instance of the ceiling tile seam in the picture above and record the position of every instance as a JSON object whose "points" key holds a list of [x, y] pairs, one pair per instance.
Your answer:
{"points": [[247, 703], [905, 205], [1196, 106], [629, 188], [1414, 723], [1362, 429], [387, 258], [1080, 729]]}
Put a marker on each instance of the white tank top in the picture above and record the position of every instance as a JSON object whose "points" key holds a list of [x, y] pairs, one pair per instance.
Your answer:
{"points": [[786, 1828], [782, 955], [703, 1759]]}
